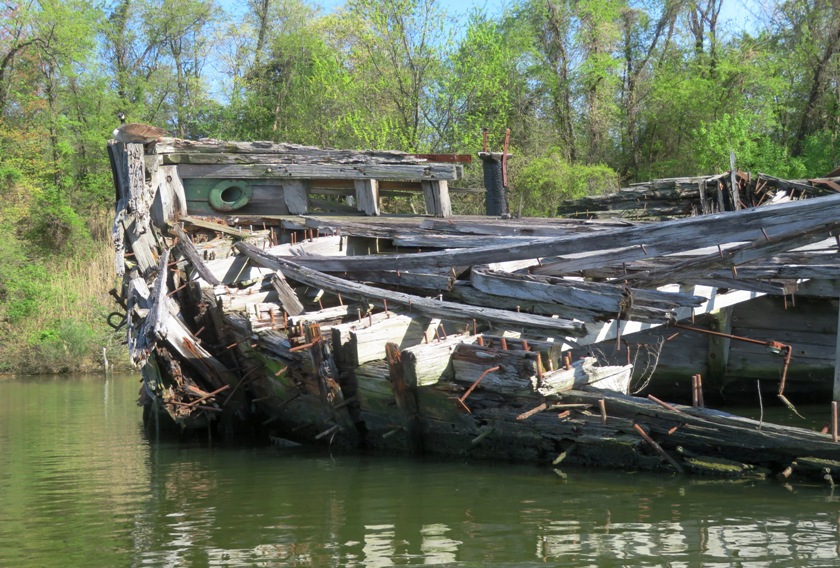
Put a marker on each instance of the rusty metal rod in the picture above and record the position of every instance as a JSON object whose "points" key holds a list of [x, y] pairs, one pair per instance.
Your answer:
{"points": [[658, 448], [474, 385], [663, 404], [531, 412], [767, 343]]}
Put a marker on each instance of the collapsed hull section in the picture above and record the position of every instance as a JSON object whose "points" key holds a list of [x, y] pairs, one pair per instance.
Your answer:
{"points": [[281, 332]]}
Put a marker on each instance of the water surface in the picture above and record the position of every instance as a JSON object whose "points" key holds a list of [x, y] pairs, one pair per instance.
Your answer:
{"points": [[80, 485]]}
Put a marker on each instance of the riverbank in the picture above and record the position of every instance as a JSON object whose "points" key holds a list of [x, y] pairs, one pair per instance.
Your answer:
{"points": [[55, 319]]}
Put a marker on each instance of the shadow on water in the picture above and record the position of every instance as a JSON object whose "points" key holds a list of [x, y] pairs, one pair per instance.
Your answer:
{"points": [[81, 485]]}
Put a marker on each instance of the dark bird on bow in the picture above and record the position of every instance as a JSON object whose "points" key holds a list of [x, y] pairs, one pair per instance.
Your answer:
{"points": [[137, 133]]}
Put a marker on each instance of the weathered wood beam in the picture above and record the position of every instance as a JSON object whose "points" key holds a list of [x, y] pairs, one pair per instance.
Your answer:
{"points": [[603, 331], [429, 363], [428, 282], [516, 375], [436, 197], [296, 196], [178, 150], [432, 308], [367, 196], [603, 297], [170, 202], [465, 293], [637, 242], [323, 171], [406, 397], [364, 341], [287, 295], [735, 256], [187, 248]]}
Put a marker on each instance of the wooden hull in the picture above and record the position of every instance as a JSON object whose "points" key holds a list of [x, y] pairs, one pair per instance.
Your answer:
{"points": [[483, 350]]}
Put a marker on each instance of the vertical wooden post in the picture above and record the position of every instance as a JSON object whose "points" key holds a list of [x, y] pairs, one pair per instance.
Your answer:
{"points": [[367, 196], [296, 196], [405, 397], [436, 196], [733, 180], [701, 187], [718, 356]]}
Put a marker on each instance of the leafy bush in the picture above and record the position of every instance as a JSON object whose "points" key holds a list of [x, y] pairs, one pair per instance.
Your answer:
{"points": [[63, 347], [544, 182], [755, 151], [56, 226]]}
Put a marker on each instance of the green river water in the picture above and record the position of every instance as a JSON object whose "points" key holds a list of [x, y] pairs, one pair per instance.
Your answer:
{"points": [[80, 485]]}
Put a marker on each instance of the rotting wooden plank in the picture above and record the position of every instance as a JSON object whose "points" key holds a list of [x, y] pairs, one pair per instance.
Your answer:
{"points": [[364, 341], [140, 195], [430, 171], [638, 241], [171, 179], [186, 247], [603, 331], [288, 298], [293, 151], [170, 202], [327, 314], [432, 282], [428, 239], [465, 293], [406, 398], [605, 297], [428, 363], [785, 266], [436, 197], [735, 436], [586, 373], [295, 196], [735, 256], [516, 375], [119, 169], [367, 196], [553, 227], [143, 243], [225, 229], [432, 308]]}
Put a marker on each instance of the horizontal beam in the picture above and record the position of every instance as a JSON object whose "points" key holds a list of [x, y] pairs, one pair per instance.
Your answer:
{"points": [[273, 171]]}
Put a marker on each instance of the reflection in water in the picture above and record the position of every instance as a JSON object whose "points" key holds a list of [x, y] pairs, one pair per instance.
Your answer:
{"points": [[80, 485]]}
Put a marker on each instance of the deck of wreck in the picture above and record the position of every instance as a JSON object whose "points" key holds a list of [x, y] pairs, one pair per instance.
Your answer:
{"points": [[250, 311]]}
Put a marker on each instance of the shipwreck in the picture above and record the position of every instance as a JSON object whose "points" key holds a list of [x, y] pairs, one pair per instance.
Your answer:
{"points": [[266, 294]]}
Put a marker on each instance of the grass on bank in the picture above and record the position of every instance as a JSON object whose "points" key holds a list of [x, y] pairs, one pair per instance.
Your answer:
{"points": [[53, 310]]}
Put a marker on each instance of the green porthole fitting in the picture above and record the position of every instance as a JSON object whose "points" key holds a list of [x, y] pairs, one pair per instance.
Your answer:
{"points": [[230, 195]]}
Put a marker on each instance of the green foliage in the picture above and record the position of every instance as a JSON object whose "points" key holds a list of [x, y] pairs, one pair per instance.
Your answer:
{"points": [[546, 181], [754, 150], [56, 226], [64, 345], [821, 153], [607, 85], [24, 283]]}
